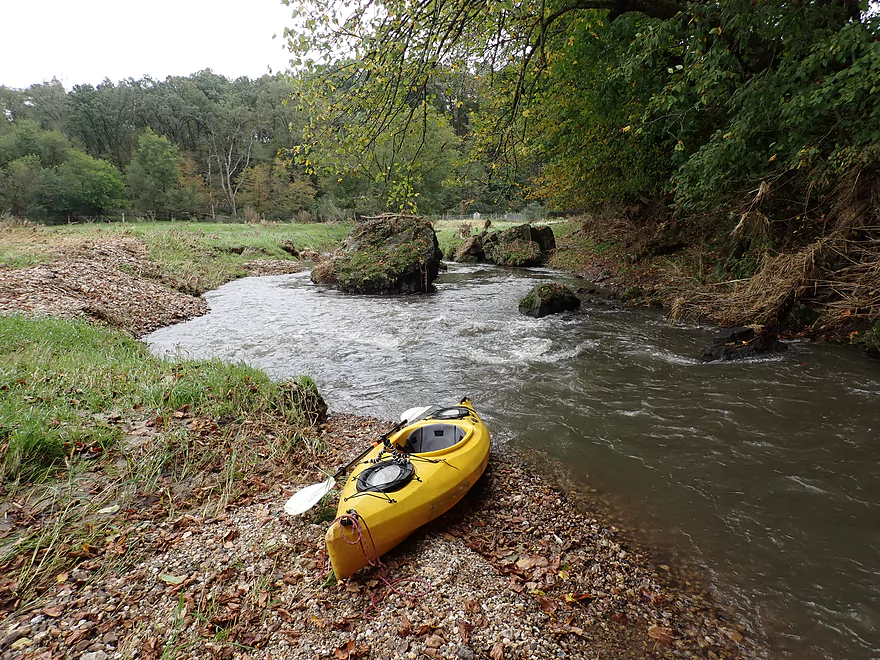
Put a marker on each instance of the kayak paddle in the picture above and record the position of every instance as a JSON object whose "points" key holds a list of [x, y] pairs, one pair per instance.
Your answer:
{"points": [[305, 498]]}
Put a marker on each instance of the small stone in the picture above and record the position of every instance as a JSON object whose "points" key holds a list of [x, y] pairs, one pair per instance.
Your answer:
{"points": [[464, 653], [94, 655]]}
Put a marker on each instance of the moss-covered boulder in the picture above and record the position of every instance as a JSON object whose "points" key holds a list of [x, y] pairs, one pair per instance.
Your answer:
{"points": [[384, 255], [522, 245], [547, 299]]}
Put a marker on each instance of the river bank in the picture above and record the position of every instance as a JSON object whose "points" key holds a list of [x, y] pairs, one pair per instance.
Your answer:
{"points": [[815, 292], [190, 567]]}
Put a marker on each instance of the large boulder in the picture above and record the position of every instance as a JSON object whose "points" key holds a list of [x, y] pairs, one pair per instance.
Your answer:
{"points": [[547, 299], [396, 254], [742, 343], [522, 245], [470, 251]]}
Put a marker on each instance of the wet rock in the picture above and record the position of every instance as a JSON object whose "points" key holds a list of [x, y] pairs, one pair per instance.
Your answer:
{"points": [[547, 299], [395, 254], [741, 343]]}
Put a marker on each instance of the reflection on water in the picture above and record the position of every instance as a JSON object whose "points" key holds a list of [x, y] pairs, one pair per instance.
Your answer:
{"points": [[765, 471]]}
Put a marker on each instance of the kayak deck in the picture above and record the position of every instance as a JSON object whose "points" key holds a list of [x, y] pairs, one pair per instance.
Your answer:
{"points": [[423, 471]]}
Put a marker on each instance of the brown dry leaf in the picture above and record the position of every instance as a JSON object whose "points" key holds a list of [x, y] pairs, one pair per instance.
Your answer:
{"points": [[464, 631], [548, 605], [286, 616], [53, 610], [661, 634], [343, 652], [434, 641], [574, 599], [497, 652], [406, 627], [473, 607]]}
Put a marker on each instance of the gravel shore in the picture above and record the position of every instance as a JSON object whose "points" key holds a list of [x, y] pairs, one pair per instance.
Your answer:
{"points": [[521, 568]]}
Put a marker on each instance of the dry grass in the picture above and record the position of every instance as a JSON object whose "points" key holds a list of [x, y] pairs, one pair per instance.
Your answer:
{"points": [[761, 298]]}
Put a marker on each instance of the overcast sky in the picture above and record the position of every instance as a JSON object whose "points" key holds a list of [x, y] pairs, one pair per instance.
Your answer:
{"points": [[85, 41]]}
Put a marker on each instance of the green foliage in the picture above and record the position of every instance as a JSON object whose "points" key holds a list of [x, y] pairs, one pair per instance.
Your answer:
{"points": [[85, 186], [276, 192], [154, 174]]}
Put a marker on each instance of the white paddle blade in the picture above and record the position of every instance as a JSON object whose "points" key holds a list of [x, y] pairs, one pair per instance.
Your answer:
{"points": [[412, 414], [303, 500]]}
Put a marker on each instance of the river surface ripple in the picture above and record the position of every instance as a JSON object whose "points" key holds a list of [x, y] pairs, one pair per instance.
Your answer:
{"points": [[764, 472]]}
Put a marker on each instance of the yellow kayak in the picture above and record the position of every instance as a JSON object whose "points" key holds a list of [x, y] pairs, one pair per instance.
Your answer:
{"points": [[420, 473]]}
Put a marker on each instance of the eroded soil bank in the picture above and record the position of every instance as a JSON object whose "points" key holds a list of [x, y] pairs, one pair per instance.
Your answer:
{"points": [[520, 569]]}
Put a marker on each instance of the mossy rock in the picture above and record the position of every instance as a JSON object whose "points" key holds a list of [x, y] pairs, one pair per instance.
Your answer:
{"points": [[522, 245], [384, 255], [547, 299], [514, 253]]}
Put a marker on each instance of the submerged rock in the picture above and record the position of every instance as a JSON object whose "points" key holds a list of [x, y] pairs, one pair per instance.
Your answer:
{"points": [[741, 343], [547, 299], [395, 254]]}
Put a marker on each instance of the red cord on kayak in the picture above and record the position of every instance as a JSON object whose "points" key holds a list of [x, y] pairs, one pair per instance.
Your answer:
{"points": [[351, 519]]}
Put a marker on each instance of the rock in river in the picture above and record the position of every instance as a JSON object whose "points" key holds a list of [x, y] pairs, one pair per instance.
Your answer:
{"points": [[523, 245], [393, 254], [547, 299], [741, 343]]}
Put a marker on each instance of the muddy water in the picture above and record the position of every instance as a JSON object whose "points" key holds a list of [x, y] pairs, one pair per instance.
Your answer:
{"points": [[765, 473]]}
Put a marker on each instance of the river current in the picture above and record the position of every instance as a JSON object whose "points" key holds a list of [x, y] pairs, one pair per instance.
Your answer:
{"points": [[765, 473]]}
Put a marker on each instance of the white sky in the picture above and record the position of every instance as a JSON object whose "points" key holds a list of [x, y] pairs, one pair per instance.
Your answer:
{"points": [[85, 41]]}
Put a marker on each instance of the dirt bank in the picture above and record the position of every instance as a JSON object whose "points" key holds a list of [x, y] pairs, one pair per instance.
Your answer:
{"points": [[519, 569]]}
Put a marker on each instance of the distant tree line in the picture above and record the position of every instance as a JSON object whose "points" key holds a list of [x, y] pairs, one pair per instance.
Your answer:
{"points": [[200, 146]]}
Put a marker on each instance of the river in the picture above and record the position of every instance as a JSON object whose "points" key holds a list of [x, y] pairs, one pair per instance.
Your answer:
{"points": [[764, 473]]}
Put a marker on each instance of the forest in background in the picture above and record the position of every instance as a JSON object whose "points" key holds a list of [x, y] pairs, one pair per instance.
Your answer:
{"points": [[200, 146]]}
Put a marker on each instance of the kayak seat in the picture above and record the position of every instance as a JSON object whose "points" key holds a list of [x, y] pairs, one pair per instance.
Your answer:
{"points": [[433, 437]]}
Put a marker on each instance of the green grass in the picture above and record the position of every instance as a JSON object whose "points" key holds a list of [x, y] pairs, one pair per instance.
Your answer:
{"points": [[69, 394], [196, 257], [64, 383]]}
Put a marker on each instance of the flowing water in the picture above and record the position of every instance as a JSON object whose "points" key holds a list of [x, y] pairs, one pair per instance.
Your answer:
{"points": [[763, 472]]}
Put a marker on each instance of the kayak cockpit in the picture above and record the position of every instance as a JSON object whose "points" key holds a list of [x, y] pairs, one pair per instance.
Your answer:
{"points": [[433, 437]]}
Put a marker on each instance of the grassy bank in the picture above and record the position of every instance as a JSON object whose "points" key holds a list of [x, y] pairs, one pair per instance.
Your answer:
{"points": [[93, 427]]}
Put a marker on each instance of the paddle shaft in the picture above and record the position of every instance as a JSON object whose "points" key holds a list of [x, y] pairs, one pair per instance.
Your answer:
{"points": [[345, 468]]}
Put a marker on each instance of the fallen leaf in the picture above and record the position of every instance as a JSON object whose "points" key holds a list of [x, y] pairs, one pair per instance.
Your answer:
{"points": [[171, 579], [343, 652], [661, 634], [434, 641], [53, 610], [109, 509], [548, 605], [286, 616], [61, 578], [497, 652]]}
